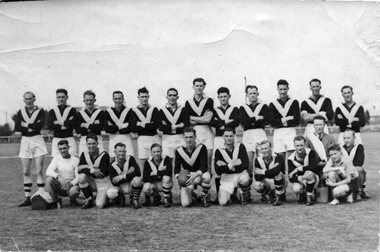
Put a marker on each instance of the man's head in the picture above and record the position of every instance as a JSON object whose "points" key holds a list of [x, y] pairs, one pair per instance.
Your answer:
{"points": [[283, 88], [156, 151], [315, 87], [61, 96], [189, 135], [199, 85], [172, 96], [335, 152], [299, 144], [63, 147], [29, 99], [143, 96], [120, 152], [347, 93], [89, 99], [118, 98], [229, 136], [266, 148], [349, 137], [92, 143], [224, 96], [319, 124], [252, 93]]}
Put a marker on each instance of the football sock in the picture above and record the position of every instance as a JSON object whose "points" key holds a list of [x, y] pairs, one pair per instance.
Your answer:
{"points": [[87, 192], [279, 185], [167, 191], [136, 191], [40, 182], [40, 185], [244, 189], [205, 189], [310, 188], [217, 184], [28, 189]]}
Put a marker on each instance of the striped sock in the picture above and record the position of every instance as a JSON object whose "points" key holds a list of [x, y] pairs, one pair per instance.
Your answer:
{"points": [[167, 191], [40, 185], [205, 189], [136, 192], [244, 189], [279, 185], [28, 189], [217, 184]]}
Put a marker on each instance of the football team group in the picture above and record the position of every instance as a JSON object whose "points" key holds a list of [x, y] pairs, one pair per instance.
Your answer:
{"points": [[199, 143]]}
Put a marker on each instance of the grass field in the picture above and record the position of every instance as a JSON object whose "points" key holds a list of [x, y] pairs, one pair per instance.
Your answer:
{"points": [[255, 227]]}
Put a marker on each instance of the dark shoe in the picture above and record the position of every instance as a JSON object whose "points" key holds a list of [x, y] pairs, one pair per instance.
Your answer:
{"points": [[249, 196], [277, 201], [122, 201], [234, 199], [356, 197], [309, 200], [364, 195], [73, 202], [88, 203], [244, 198], [147, 200], [26, 202], [283, 197], [271, 197], [302, 198], [204, 201], [167, 202], [136, 203], [157, 200], [264, 197], [194, 197]]}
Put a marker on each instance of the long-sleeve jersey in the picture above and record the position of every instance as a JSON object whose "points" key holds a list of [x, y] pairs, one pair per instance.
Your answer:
{"points": [[199, 108], [220, 117], [347, 114], [248, 116], [309, 162], [271, 169], [194, 161], [150, 117], [62, 120], [152, 172], [279, 109], [118, 122], [101, 162], [129, 170], [320, 105], [167, 118], [94, 119], [355, 154], [64, 167], [226, 156], [35, 121]]}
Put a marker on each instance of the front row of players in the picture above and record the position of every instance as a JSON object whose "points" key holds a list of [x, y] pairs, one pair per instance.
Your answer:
{"points": [[110, 183]]}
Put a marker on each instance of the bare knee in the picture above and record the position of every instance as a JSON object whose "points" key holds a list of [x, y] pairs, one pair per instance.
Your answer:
{"points": [[244, 180], [297, 188], [137, 182], [166, 180], [206, 178], [147, 188], [82, 178]]}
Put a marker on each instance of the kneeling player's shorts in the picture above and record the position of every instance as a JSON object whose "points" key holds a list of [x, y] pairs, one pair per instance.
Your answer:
{"points": [[116, 138], [83, 146], [170, 143], [229, 182], [283, 139], [72, 145], [113, 191], [33, 146], [358, 138], [252, 138], [205, 136], [144, 143]]}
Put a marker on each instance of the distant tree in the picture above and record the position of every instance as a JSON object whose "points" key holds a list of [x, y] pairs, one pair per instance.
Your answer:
{"points": [[5, 130], [367, 117]]}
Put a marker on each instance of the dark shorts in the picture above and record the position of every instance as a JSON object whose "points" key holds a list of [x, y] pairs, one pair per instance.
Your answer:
{"points": [[353, 186]]}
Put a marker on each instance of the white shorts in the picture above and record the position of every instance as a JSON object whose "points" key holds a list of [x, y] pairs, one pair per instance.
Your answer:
{"points": [[83, 146], [72, 145], [358, 138], [205, 136], [32, 147], [283, 139], [113, 191], [144, 143], [116, 138], [310, 129], [229, 182], [102, 185], [252, 138], [170, 143]]}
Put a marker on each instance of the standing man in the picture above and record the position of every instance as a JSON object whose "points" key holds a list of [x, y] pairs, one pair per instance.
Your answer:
{"points": [[62, 120], [201, 112], [225, 116], [192, 158], [62, 174], [173, 119], [316, 105], [231, 164], [94, 173], [146, 124], [90, 120], [118, 123], [349, 115], [29, 121]]}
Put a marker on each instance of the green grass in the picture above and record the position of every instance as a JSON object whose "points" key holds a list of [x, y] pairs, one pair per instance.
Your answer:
{"points": [[257, 226]]}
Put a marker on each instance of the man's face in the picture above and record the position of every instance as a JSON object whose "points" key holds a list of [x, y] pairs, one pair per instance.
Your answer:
{"points": [[156, 153], [118, 99], [300, 146], [283, 91], [89, 101], [189, 139], [198, 87], [144, 99], [224, 98], [172, 97], [348, 138], [63, 150], [61, 99], [252, 95], [319, 126], [335, 155], [29, 100], [229, 138], [347, 94], [266, 149], [315, 88], [120, 153], [92, 145]]}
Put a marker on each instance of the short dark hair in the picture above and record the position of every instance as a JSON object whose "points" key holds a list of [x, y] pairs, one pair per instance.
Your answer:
{"points": [[346, 86], [189, 129], [319, 117], [223, 90], [92, 136], [63, 142], [229, 130], [250, 86], [172, 89], [155, 145], [119, 144], [282, 82], [61, 90], [89, 92], [28, 92], [335, 147], [265, 142], [117, 92], [315, 80], [142, 90], [199, 80], [300, 138]]}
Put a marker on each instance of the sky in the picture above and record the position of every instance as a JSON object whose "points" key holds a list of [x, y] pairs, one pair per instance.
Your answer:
{"points": [[124, 45]]}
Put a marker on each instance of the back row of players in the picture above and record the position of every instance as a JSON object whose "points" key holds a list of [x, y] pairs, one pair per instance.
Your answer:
{"points": [[199, 112]]}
